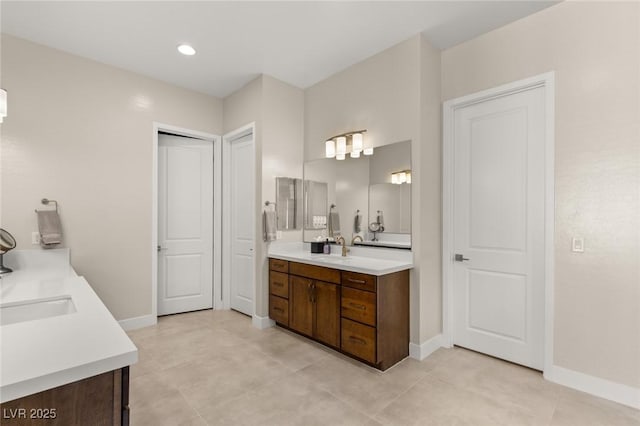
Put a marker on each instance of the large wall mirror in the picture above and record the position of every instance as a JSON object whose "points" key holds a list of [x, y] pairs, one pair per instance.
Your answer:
{"points": [[366, 200]]}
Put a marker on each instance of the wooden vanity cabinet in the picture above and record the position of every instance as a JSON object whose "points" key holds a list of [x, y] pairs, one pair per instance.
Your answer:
{"points": [[97, 400], [314, 308], [375, 317], [279, 291], [364, 316]]}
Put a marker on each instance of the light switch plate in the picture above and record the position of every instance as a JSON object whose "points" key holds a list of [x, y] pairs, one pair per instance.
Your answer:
{"points": [[35, 238], [577, 244]]}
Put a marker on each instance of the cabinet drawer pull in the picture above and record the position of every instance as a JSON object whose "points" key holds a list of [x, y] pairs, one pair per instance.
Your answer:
{"points": [[275, 308], [356, 281], [357, 340], [358, 306], [278, 283]]}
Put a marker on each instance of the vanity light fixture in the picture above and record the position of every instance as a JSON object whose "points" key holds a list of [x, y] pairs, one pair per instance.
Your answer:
{"points": [[351, 143], [403, 176], [3, 104], [186, 49]]}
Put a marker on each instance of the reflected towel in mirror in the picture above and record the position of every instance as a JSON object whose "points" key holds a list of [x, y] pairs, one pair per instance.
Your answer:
{"points": [[334, 224], [357, 223]]}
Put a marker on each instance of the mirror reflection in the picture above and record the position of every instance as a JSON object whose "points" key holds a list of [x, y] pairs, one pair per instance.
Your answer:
{"points": [[289, 203], [355, 198]]}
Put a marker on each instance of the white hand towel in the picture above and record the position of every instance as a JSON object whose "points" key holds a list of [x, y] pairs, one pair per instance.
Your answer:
{"points": [[49, 227], [357, 223], [269, 220]]}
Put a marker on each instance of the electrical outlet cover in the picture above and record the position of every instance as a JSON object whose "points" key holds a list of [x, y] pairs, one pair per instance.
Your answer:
{"points": [[577, 245]]}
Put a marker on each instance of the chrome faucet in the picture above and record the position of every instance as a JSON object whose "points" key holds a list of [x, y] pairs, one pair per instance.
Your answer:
{"points": [[353, 240], [344, 245]]}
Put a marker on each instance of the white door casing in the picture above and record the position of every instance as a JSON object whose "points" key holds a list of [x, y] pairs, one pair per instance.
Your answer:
{"points": [[185, 224], [497, 190], [239, 218]]}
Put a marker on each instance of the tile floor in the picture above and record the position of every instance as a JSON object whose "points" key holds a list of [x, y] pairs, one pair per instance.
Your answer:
{"points": [[214, 368]]}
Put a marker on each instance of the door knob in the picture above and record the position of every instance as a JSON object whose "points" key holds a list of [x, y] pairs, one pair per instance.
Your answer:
{"points": [[160, 248], [459, 258]]}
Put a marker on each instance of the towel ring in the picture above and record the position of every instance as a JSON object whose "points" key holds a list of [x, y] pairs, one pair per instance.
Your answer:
{"points": [[47, 201]]}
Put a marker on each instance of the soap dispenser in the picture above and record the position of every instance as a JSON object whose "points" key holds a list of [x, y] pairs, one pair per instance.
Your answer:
{"points": [[327, 248]]}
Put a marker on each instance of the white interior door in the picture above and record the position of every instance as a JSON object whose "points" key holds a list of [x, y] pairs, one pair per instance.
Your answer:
{"points": [[185, 224], [498, 218], [242, 223]]}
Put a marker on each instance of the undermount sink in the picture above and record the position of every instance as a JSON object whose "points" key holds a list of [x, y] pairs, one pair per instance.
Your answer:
{"points": [[336, 259], [11, 313]]}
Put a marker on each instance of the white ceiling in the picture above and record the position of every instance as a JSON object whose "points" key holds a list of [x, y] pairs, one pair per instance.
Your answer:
{"points": [[300, 43]]}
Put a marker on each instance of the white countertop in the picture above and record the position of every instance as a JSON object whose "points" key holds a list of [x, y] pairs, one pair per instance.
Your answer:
{"points": [[373, 261], [42, 354]]}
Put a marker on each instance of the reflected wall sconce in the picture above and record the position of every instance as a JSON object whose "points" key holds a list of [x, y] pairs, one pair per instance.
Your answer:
{"points": [[351, 143], [3, 104], [403, 176]]}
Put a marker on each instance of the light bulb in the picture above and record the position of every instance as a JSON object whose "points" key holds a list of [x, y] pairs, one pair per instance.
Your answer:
{"points": [[330, 149], [341, 145], [355, 154], [394, 178], [340, 156], [408, 177], [368, 151], [356, 140], [3, 104], [186, 49], [402, 177]]}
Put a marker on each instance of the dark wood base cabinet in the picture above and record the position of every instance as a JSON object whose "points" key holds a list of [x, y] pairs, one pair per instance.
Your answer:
{"points": [[363, 316], [101, 400]]}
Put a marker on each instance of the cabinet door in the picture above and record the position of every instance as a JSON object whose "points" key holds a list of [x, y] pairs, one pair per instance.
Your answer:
{"points": [[300, 305], [327, 313]]}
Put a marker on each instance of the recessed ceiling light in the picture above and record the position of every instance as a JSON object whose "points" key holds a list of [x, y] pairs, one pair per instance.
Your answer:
{"points": [[186, 49]]}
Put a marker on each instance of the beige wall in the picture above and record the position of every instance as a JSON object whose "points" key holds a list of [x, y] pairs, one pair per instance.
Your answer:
{"points": [[429, 206], [81, 132], [594, 48], [395, 95], [277, 109]]}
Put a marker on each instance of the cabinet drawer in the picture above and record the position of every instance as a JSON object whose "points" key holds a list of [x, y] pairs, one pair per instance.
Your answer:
{"points": [[279, 284], [359, 340], [359, 305], [279, 310], [316, 272], [279, 265], [359, 281]]}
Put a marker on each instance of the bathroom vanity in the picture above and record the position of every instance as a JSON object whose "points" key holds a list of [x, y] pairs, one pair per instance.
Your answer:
{"points": [[357, 305], [64, 358]]}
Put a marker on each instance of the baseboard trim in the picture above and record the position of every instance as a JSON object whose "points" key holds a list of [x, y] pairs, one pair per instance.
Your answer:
{"points": [[617, 392], [138, 322], [262, 322], [425, 349]]}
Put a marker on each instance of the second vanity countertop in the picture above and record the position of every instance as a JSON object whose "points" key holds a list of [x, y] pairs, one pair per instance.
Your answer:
{"points": [[45, 353], [372, 261]]}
